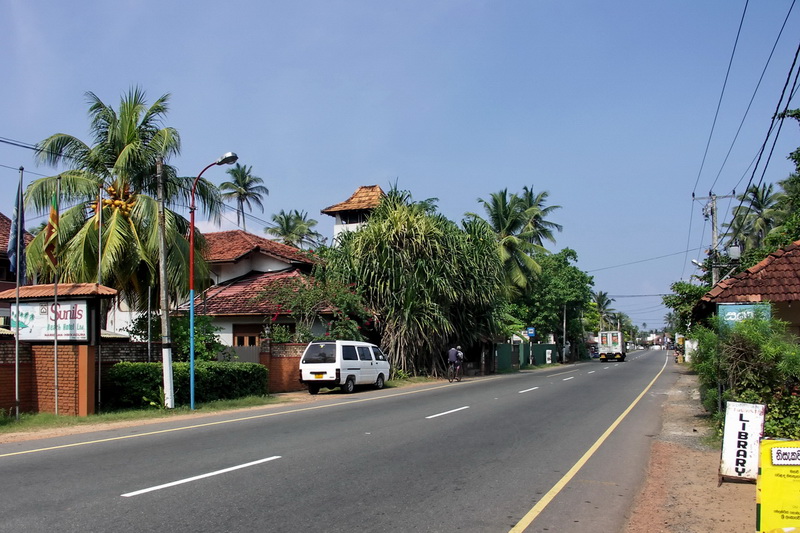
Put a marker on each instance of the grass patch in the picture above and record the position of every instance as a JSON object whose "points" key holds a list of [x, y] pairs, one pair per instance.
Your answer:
{"points": [[43, 421]]}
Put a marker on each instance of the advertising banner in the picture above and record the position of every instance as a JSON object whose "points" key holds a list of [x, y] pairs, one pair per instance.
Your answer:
{"points": [[744, 427], [778, 487], [39, 321]]}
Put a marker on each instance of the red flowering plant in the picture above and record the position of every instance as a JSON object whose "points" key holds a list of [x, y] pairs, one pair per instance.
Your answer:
{"points": [[320, 308]]}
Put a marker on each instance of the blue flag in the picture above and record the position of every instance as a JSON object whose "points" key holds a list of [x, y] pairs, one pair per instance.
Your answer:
{"points": [[17, 236]]}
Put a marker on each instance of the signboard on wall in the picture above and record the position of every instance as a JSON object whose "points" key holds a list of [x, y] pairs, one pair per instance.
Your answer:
{"points": [[39, 321], [744, 427], [733, 313]]}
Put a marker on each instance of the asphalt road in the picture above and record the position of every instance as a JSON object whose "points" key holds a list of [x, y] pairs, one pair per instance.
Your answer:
{"points": [[546, 450]]}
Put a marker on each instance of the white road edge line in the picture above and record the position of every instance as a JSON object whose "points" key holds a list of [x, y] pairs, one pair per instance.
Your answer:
{"points": [[528, 390], [448, 412], [195, 478]]}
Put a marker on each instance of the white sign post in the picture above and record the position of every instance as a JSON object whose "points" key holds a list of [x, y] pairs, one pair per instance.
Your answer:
{"points": [[744, 427]]}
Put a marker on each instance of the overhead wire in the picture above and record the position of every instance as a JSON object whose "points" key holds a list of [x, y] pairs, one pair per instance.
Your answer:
{"points": [[755, 91], [776, 117], [711, 134]]}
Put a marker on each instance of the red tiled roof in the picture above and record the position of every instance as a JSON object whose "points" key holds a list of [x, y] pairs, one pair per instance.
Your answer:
{"points": [[365, 197], [775, 279], [242, 295], [231, 246], [65, 290], [5, 230]]}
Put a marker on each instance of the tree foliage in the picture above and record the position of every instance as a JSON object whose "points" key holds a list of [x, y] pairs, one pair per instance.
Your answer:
{"points": [[120, 166], [756, 361], [426, 281], [245, 189], [310, 299], [682, 300]]}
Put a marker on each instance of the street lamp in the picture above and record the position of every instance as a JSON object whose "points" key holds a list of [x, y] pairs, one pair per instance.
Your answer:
{"points": [[227, 159]]}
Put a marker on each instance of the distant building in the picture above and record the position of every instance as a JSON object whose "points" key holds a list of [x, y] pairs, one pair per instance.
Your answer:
{"points": [[353, 212]]}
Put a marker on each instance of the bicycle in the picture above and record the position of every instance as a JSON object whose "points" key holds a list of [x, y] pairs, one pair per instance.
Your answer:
{"points": [[454, 371]]}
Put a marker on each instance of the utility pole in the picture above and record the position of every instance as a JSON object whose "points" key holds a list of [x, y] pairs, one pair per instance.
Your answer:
{"points": [[166, 340], [711, 210]]}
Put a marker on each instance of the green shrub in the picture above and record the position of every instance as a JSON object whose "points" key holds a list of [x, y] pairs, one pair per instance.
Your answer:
{"points": [[756, 361], [138, 385]]}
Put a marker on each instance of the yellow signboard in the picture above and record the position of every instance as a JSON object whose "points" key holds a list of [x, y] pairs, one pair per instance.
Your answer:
{"points": [[778, 496]]}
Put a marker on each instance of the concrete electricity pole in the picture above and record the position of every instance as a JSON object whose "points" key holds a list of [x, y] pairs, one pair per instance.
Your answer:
{"points": [[166, 339]]}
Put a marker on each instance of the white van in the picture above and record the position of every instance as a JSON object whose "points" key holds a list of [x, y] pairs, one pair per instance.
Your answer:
{"points": [[343, 364]]}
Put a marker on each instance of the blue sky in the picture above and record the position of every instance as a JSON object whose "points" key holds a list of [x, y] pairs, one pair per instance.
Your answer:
{"points": [[606, 105]]}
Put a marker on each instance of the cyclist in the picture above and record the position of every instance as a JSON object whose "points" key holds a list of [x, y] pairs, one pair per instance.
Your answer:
{"points": [[455, 357]]}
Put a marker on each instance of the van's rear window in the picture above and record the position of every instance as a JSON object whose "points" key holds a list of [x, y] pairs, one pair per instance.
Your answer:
{"points": [[320, 352]]}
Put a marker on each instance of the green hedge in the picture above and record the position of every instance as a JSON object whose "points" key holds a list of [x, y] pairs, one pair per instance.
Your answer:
{"points": [[137, 385]]}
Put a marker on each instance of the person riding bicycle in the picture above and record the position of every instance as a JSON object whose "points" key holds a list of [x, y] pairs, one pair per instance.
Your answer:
{"points": [[455, 356]]}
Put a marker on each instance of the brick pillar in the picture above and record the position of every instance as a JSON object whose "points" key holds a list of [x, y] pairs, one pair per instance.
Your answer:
{"points": [[86, 380]]}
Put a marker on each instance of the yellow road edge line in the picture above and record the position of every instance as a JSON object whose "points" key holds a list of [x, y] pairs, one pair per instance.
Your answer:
{"points": [[553, 492], [219, 422]]}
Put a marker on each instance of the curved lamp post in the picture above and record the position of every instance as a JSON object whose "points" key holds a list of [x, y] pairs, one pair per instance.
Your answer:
{"points": [[227, 159]]}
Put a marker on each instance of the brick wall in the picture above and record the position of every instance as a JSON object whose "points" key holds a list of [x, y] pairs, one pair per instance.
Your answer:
{"points": [[284, 363], [8, 393], [37, 372]]}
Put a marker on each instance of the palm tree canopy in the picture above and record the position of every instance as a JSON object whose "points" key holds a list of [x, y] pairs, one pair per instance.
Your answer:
{"points": [[519, 225], [295, 229], [113, 181], [245, 189]]}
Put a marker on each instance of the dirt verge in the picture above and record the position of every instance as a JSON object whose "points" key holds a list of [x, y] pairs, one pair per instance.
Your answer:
{"points": [[681, 493]]}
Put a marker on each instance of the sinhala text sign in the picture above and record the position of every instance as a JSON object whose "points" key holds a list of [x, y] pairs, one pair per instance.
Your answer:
{"points": [[39, 321], [778, 496], [733, 313], [744, 426]]}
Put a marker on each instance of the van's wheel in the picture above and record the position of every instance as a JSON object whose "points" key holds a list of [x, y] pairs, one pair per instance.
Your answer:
{"points": [[379, 382], [313, 388], [349, 386]]}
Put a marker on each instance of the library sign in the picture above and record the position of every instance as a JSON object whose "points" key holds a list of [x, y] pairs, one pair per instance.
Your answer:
{"points": [[42, 321]]}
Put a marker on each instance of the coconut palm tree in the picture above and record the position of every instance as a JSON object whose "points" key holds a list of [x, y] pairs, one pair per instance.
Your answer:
{"points": [[509, 218], [295, 229], [538, 227], [244, 189], [112, 179], [603, 303], [755, 216], [426, 281]]}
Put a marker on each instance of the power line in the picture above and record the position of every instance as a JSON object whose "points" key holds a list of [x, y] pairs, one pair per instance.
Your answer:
{"points": [[755, 91], [721, 94], [642, 260], [775, 116]]}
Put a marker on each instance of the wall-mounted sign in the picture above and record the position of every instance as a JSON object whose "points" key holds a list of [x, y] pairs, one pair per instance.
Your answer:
{"points": [[778, 487], [39, 321], [744, 426], [733, 313]]}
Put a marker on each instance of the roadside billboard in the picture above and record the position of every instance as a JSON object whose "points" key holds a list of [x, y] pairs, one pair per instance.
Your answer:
{"points": [[41, 321]]}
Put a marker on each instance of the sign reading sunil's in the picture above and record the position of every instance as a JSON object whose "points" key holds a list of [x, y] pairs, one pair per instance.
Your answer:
{"points": [[733, 313], [39, 321]]}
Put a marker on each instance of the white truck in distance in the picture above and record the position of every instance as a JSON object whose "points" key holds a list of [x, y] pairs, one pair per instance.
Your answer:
{"points": [[610, 346]]}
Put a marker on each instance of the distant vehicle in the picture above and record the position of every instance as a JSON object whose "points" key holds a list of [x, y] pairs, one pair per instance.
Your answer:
{"points": [[611, 346], [343, 364]]}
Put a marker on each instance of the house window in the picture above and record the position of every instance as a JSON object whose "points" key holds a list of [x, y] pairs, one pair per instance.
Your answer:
{"points": [[246, 334]]}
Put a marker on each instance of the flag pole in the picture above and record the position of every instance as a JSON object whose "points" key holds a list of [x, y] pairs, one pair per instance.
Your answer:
{"points": [[19, 222], [55, 294], [99, 305]]}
